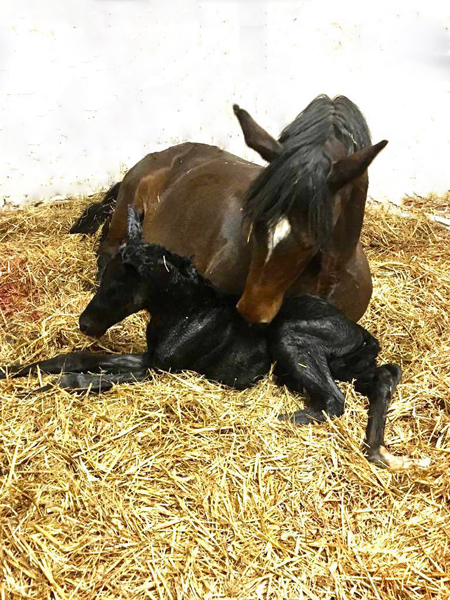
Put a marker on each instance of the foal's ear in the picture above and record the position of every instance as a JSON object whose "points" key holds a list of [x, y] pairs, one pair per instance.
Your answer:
{"points": [[256, 137], [134, 228], [347, 169]]}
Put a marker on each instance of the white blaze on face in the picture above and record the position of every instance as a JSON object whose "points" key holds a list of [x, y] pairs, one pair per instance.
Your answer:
{"points": [[277, 234]]}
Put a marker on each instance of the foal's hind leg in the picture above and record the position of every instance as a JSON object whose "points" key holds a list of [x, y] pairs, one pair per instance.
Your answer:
{"points": [[362, 358], [378, 384], [305, 369]]}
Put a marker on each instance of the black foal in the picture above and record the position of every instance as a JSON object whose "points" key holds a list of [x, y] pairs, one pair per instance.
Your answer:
{"points": [[194, 327]]}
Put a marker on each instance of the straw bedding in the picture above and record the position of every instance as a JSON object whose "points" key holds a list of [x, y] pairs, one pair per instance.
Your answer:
{"points": [[179, 488]]}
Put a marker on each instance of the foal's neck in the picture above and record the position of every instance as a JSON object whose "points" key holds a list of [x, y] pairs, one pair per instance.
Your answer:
{"points": [[184, 297]]}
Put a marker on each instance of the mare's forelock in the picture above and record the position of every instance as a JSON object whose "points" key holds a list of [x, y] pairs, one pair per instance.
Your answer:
{"points": [[297, 178]]}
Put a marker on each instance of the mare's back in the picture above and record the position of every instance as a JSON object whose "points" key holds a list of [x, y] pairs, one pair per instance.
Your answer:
{"points": [[200, 215]]}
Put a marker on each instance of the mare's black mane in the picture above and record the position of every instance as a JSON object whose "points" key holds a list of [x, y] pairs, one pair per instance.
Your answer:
{"points": [[297, 179]]}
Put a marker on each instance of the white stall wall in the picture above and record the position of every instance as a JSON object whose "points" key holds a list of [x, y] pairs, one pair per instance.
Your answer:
{"points": [[88, 87]]}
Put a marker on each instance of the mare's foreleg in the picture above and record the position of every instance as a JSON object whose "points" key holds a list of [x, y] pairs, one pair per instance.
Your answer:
{"points": [[379, 384]]}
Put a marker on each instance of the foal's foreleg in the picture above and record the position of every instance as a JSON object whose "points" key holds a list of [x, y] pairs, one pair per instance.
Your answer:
{"points": [[379, 384], [96, 383], [119, 365]]}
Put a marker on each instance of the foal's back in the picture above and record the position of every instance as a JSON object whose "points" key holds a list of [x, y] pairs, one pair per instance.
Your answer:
{"points": [[311, 321], [214, 341]]}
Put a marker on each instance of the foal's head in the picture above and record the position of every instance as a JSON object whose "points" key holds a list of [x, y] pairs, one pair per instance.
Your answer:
{"points": [[140, 276]]}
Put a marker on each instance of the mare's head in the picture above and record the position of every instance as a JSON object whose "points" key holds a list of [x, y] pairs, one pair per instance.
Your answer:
{"points": [[319, 164], [140, 276]]}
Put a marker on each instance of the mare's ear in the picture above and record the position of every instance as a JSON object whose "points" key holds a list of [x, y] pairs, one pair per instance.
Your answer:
{"points": [[134, 228], [351, 167], [256, 137]]}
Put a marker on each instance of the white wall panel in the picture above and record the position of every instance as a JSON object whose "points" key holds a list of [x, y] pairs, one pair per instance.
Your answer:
{"points": [[87, 87]]}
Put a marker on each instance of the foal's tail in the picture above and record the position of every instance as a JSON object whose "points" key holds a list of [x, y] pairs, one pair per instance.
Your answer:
{"points": [[97, 213]]}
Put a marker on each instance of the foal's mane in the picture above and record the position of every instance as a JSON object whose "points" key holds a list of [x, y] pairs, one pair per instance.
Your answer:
{"points": [[297, 178], [142, 255]]}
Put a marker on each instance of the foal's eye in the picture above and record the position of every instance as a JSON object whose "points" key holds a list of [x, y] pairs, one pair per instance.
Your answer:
{"points": [[131, 270]]}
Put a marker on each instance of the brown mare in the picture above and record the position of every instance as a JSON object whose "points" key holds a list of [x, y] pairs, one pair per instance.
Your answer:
{"points": [[292, 227]]}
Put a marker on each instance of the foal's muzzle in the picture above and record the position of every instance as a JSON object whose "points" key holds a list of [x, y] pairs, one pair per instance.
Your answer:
{"points": [[90, 326]]}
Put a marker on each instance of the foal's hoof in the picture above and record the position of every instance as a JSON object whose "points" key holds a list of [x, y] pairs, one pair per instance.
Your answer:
{"points": [[383, 458], [12, 371]]}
